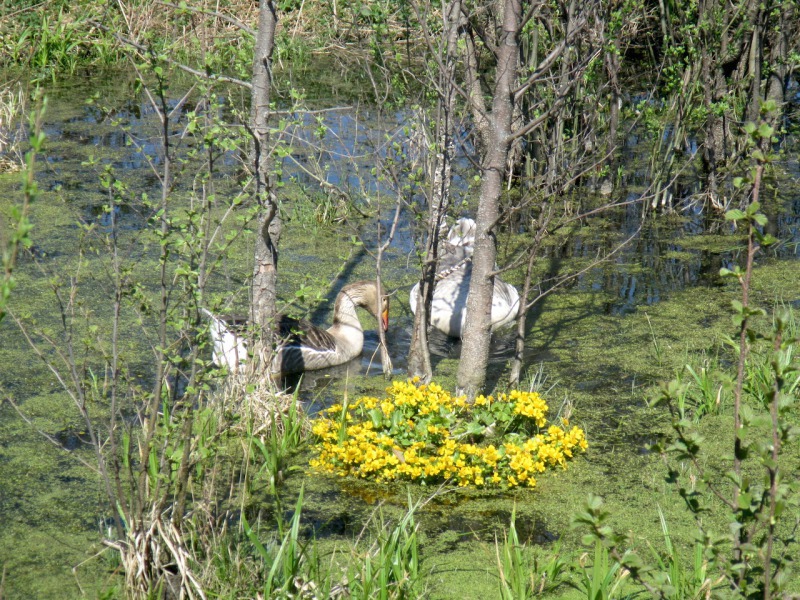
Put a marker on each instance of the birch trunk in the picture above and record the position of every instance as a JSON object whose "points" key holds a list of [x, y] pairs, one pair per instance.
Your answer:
{"points": [[419, 360], [269, 223], [477, 333]]}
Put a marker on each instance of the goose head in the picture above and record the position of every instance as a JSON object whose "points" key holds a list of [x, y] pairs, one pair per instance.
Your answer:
{"points": [[462, 233], [367, 295]]}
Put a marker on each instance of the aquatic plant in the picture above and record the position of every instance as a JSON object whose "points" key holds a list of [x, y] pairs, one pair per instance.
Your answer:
{"points": [[282, 426], [602, 577], [524, 574], [287, 560], [390, 565], [384, 563], [20, 226], [12, 113], [681, 576], [752, 556], [421, 433]]}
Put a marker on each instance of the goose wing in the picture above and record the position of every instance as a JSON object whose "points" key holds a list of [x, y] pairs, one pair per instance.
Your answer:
{"points": [[300, 333], [453, 259], [228, 337]]}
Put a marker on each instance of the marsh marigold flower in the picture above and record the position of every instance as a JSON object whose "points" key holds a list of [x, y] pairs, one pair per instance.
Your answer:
{"points": [[421, 433]]}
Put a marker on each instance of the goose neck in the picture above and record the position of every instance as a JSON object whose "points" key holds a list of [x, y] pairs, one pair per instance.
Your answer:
{"points": [[344, 312]]}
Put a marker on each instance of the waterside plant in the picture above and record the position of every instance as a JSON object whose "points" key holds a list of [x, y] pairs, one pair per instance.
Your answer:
{"points": [[421, 433], [749, 552]]}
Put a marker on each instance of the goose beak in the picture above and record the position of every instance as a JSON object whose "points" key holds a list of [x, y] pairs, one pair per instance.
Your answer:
{"points": [[385, 320]]}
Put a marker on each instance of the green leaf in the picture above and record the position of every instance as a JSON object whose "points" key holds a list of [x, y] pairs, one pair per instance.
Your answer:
{"points": [[632, 561], [744, 500], [769, 106], [767, 240], [765, 131]]}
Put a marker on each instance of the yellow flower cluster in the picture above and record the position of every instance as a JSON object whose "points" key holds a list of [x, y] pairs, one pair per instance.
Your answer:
{"points": [[421, 433], [529, 405]]}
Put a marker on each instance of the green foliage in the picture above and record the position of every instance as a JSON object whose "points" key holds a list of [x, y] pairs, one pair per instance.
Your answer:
{"points": [[666, 574], [602, 578], [390, 566], [522, 573], [180, 455], [387, 568], [150, 472], [283, 439], [321, 210], [13, 110], [675, 576], [751, 557], [290, 564], [20, 225], [701, 389], [50, 39]]}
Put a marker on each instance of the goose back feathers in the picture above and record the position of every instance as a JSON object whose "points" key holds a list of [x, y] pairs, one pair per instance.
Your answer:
{"points": [[305, 347], [449, 303]]}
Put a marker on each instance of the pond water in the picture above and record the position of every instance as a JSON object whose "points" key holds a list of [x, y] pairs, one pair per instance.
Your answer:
{"points": [[50, 506]]}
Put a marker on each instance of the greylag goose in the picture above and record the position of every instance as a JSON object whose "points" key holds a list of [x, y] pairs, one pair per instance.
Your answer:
{"points": [[304, 346], [449, 303], [228, 349]]}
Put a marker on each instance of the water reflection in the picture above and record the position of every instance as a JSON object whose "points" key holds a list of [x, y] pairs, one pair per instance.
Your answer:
{"points": [[341, 146]]}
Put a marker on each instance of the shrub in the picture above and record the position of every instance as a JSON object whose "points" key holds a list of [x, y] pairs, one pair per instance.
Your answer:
{"points": [[421, 433]]}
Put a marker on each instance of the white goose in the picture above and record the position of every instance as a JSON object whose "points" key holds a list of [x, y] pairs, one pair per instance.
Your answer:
{"points": [[304, 346], [449, 303]]}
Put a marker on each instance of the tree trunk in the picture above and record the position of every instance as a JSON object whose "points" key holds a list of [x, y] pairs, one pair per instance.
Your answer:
{"points": [[474, 91], [515, 373], [264, 286], [419, 360], [754, 60], [782, 38], [612, 64], [717, 50], [477, 333]]}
